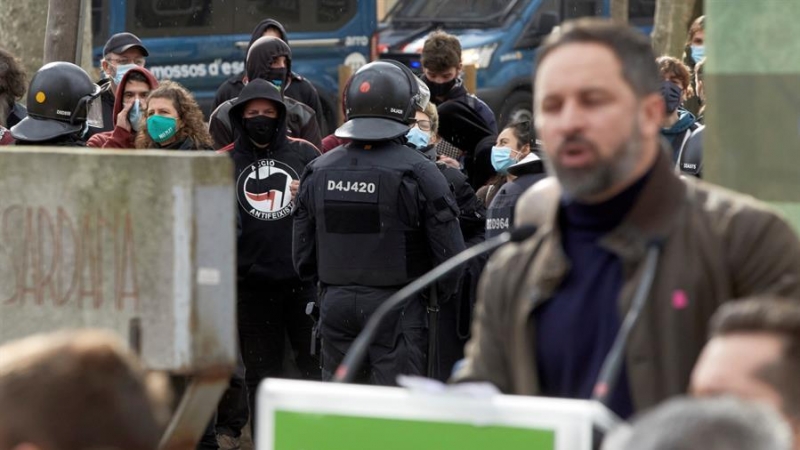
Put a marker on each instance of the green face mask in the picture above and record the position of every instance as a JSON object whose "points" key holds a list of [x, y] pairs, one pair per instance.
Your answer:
{"points": [[161, 128]]}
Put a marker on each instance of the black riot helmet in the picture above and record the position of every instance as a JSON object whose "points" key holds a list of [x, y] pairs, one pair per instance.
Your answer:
{"points": [[61, 99], [380, 100]]}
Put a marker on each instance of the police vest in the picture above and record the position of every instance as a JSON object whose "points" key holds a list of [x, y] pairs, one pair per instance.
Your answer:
{"points": [[500, 214], [369, 222]]}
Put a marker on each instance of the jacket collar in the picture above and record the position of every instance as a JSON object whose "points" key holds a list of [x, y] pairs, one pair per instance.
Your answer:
{"points": [[652, 216]]}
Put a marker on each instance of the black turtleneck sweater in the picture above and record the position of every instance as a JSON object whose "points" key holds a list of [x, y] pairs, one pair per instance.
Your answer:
{"points": [[576, 328]]}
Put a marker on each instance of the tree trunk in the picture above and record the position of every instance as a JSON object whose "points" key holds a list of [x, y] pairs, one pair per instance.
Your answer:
{"points": [[672, 21], [22, 28], [619, 11], [63, 31]]}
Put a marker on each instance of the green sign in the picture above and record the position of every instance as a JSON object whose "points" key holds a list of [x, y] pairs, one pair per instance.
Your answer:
{"points": [[311, 431]]}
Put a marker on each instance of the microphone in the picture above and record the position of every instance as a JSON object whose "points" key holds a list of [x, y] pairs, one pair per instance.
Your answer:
{"points": [[609, 371], [355, 356]]}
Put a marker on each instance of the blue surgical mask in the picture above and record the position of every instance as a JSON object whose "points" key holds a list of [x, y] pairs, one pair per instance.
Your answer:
{"points": [[501, 159], [417, 138], [698, 53], [135, 115], [121, 70]]}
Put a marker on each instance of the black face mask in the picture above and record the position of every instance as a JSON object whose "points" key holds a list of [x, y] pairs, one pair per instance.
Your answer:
{"points": [[276, 76], [672, 94], [440, 89], [261, 129]]}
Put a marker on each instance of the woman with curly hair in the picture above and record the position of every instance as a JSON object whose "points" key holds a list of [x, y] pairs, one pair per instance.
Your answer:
{"points": [[12, 89], [173, 121]]}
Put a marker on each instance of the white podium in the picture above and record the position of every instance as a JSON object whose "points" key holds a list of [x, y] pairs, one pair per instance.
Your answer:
{"points": [[301, 415]]}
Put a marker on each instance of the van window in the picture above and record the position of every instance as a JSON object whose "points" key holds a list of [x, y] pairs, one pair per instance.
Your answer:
{"points": [[295, 15], [581, 8], [160, 18], [641, 12], [100, 13], [451, 10]]}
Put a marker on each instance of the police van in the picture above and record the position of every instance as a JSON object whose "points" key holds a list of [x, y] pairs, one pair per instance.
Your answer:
{"points": [[499, 37], [201, 43]]}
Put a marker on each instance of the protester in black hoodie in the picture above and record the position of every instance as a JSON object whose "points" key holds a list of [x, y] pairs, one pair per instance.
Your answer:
{"points": [[265, 56], [297, 87], [271, 297]]}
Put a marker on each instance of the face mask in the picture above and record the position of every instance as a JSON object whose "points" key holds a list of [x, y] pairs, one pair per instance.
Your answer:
{"points": [[276, 76], [440, 89], [698, 53], [135, 116], [161, 128], [501, 159], [672, 95], [418, 138], [121, 70], [261, 129]]}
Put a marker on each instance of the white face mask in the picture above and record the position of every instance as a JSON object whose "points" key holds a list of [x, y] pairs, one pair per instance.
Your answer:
{"points": [[135, 115]]}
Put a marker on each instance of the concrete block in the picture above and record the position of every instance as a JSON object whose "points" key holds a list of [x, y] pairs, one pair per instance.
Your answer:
{"points": [[142, 243]]}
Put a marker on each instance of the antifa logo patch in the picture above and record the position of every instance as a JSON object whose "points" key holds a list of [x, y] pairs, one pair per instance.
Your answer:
{"points": [[263, 189]]}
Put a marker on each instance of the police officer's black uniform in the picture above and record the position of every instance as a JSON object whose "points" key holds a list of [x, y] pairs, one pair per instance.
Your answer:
{"points": [[372, 216], [60, 98]]}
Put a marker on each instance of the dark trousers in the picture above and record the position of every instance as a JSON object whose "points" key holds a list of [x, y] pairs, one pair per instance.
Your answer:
{"points": [[399, 347], [268, 313], [232, 411]]}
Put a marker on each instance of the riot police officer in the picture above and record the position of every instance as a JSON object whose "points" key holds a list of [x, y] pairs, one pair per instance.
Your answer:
{"points": [[62, 100], [372, 216]]}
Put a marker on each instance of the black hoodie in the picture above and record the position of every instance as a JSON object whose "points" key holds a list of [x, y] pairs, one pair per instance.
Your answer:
{"points": [[297, 87], [265, 203], [301, 119]]}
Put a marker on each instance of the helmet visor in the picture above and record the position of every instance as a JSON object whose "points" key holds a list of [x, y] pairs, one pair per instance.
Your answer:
{"points": [[90, 107], [422, 99]]}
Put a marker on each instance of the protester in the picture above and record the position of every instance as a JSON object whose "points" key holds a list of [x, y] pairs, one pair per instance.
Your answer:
{"points": [[709, 424], [297, 87], [173, 121], [122, 52], [266, 55], [514, 156], [372, 216], [271, 298], [679, 124], [129, 110], [693, 53], [462, 130], [513, 145], [78, 390], [60, 99], [614, 214], [441, 69], [12, 89], [754, 353], [455, 315]]}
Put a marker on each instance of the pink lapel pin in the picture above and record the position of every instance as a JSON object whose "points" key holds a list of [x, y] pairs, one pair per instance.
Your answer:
{"points": [[679, 299]]}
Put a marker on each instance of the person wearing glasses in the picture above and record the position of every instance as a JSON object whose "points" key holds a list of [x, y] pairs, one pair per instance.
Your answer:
{"points": [[454, 316], [122, 52]]}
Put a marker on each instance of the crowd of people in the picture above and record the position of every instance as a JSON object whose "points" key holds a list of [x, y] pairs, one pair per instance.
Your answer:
{"points": [[634, 265]]}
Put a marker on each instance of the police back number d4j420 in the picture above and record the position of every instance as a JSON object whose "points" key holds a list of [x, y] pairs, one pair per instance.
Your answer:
{"points": [[351, 186]]}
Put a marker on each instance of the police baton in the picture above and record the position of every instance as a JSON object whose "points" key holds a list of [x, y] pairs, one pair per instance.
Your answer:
{"points": [[433, 331], [355, 356]]}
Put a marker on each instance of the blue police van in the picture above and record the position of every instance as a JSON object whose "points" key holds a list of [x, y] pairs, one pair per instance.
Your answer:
{"points": [[201, 43], [499, 37]]}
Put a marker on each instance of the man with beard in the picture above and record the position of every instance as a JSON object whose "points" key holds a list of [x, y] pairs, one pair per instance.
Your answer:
{"points": [[616, 222]]}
